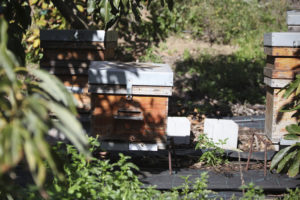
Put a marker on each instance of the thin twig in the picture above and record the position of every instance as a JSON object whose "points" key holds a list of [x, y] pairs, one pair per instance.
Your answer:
{"points": [[241, 173], [250, 152]]}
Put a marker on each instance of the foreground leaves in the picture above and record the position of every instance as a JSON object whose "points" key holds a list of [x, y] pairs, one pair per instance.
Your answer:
{"points": [[31, 103]]}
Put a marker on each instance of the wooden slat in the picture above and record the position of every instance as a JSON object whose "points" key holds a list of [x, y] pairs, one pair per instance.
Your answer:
{"points": [[74, 81], [65, 63], [152, 128], [294, 28], [78, 35], [136, 90], [282, 51], [66, 70], [276, 83], [78, 45], [280, 74], [84, 55], [83, 102], [283, 63]]}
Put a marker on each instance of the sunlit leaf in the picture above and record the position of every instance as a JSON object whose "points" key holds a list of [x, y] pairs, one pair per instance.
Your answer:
{"points": [[91, 5], [285, 160], [291, 137], [279, 156], [293, 129], [80, 8], [294, 168]]}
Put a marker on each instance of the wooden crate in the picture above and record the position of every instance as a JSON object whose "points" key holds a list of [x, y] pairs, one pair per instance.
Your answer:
{"points": [[68, 54], [283, 63], [130, 101], [140, 119], [78, 44], [276, 121]]}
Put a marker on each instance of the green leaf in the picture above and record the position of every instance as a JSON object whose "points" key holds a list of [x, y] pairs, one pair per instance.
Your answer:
{"points": [[69, 126], [293, 129], [295, 107], [291, 137], [279, 156], [294, 168], [285, 160], [291, 88], [55, 88], [91, 5]]}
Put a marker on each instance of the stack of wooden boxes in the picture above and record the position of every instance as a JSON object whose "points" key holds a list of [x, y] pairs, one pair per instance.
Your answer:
{"points": [[68, 54], [130, 103], [283, 63]]}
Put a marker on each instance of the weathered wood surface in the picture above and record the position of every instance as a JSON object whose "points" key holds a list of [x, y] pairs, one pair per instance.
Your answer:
{"points": [[74, 81], [276, 83], [78, 35], [109, 113], [282, 51], [84, 55], [283, 63], [294, 28], [279, 74], [66, 70], [78, 45], [282, 39], [276, 121], [136, 90], [65, 63]]}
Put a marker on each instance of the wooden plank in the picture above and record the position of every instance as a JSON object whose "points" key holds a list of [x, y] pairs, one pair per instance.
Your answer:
{"points": [[78, 35], [66, 70], [74, 81], [283, 63], [293, 17], [276, 121], [278, 74], [136, 90], [282, 51], [65, 63], [79, 45], [152, 128], [282, 39], [294, 28], [84, 55], [276, 83], [83, 102]]}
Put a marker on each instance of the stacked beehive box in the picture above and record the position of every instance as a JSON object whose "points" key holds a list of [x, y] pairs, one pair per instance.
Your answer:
{"points": [[130, 103], [283, 62], [68, 54]]}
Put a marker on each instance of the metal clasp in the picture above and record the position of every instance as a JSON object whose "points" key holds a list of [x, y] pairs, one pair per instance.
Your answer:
{"points": [[129, 90], [296, 44]]}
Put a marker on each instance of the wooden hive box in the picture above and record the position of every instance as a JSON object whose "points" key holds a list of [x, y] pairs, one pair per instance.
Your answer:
{"points": [[283, 62], [69, 53], [130, 101], [293, 20]]}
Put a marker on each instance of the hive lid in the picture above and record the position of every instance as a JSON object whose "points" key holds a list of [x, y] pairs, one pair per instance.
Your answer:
{"points": [[118, 73], [293, 18], [78, 35], [282, 39]]}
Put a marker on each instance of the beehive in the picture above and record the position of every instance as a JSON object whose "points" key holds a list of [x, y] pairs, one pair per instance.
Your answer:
{"points": [[283, 61], [69, 53], [130, 101]]}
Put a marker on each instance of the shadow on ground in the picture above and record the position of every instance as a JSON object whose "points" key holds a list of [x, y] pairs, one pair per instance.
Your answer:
{"points": [[210, 84]]}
